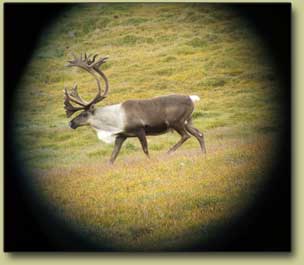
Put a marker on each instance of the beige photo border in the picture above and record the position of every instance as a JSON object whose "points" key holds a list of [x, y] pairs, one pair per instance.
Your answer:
{"points": [[214, 258]]}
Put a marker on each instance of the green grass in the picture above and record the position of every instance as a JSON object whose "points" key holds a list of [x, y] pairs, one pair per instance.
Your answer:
{"points": [[168, 202]]}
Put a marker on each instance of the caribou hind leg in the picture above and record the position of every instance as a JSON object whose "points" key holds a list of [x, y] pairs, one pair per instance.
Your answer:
{"points": [[118, 143], [197, 134], [185, 136]]}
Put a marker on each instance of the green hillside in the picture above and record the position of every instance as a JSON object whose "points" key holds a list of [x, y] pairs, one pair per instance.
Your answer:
{"points": [[170, 201]]}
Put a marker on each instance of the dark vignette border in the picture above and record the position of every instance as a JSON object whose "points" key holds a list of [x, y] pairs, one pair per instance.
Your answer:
{"points": [[265, 227]]}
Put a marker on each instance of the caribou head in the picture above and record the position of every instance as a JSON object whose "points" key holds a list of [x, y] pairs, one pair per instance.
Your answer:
{"points": [[92, 67]]}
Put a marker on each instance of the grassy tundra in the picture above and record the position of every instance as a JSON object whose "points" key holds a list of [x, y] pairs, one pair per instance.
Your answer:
{"points": [[170, 201]]}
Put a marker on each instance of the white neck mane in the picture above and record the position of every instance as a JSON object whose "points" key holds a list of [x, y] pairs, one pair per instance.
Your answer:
{"points": [[108, 121]]}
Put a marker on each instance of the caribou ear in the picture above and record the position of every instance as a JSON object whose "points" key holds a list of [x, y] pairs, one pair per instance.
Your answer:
{"points": [[92, 109]]}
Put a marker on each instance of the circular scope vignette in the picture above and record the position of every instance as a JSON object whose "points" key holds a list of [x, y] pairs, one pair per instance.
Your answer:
{"points": [[187, 200]]}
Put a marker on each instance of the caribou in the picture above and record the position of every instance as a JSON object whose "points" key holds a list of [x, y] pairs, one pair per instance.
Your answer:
{"points": [[132, 118]]}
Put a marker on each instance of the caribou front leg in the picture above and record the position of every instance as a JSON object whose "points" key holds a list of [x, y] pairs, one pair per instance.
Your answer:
{"points": [[141, 135], [118, 143]]}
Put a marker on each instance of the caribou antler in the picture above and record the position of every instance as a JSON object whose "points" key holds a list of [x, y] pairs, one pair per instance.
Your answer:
{"points": [[69, 108], [91, 67]]}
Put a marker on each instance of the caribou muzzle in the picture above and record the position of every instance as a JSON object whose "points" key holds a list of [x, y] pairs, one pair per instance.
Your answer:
{"points": [[72, 125]]}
